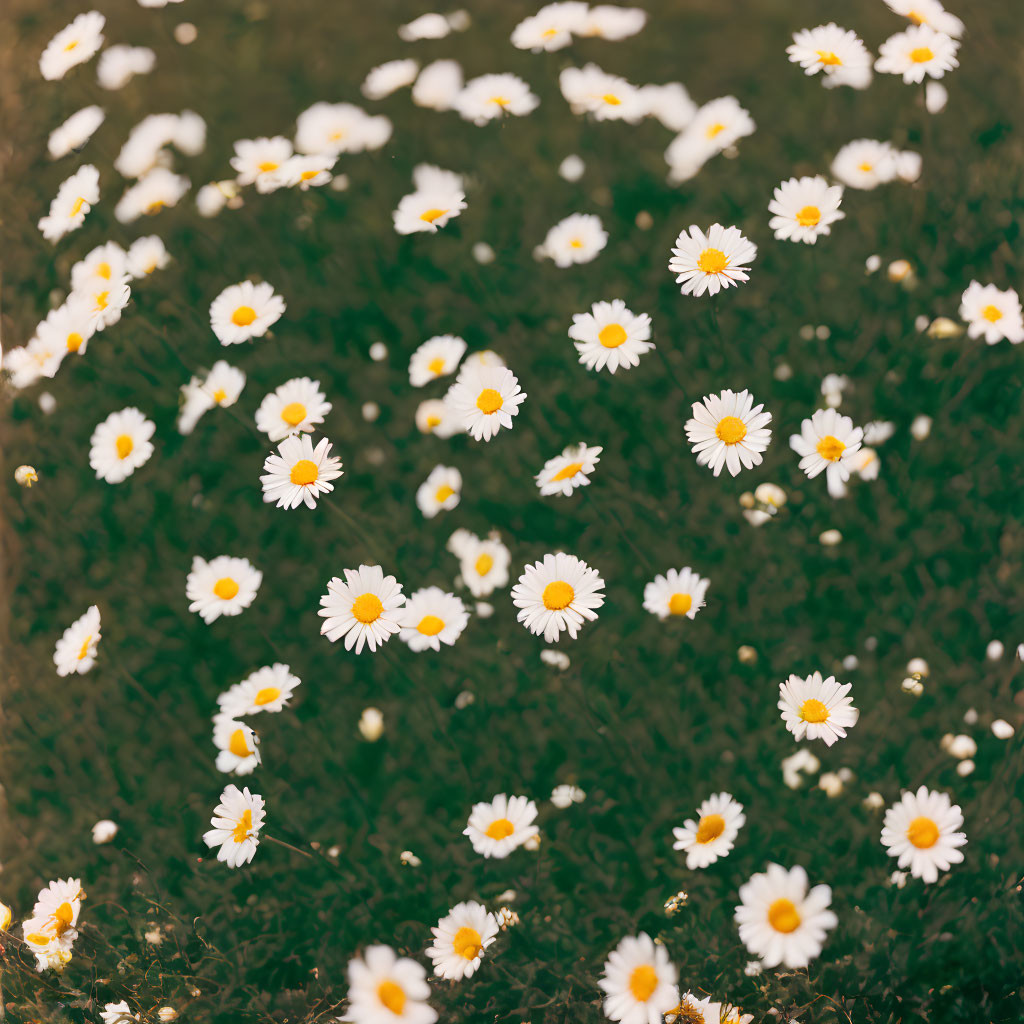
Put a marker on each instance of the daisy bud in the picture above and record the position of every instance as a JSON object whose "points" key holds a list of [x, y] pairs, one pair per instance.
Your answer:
{"points": [[917, 667], [166, 1014], [103, 831], [943, 327], [485, 611], [26, 476], [409, 859], [874, 801], [572, 168], [533, 843], [378, 351], [900, 271], [850, 662], [994, 651], [1001, 729], [47, 403], [912, 685], [464, 699], [935, 97], [921, 427], [962, 747], [371, 724], [483, 253], [507, 917], [830, 538], [154, 937], [872, 264], [186, 33], [747, 655], [964, 768], [753, 968], [971, 716]]}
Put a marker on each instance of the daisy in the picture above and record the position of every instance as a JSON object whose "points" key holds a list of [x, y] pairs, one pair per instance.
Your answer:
{"points": [[816, 708], [572, 469], [639, 982], [261, 162], [713, 834], [222, 586], [782, 922], [297, 405], [436, 357], [385, 988], [222, 386], [551, 28], [145, 146], [608, 21], [728, 430], [711, 262], [440, 491], [244, 311], [836, 51], [105, 301], [75, 198], [56, 911], [564, 796], [992, 314], [483, 563], [118, 1013], [460, 938], [485, 398], [364, 609], [236, 822], [678, 592], [433, 416], [721, 123], [438, 85], [74, 44], [427, 210], [426, 26], [98, 268], [158, 189], [389, 77], [497, 827], [558, 593], [76, 649], [827, 442], [589, 90], [118, 65], [922, 830], [576, 239], [267, 689], [488, 97], [670, 104], [610, 336], [432, 617], [68, 328], [306, 172], [299, 473], [691, 1009], [332, 128], [75, 132], [120, 445], [805, 208], [146, 255], [236, 745], [864, 164], [928, 12], [917, 53]]}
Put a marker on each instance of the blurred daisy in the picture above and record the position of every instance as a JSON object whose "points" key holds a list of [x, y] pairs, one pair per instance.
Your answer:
{"points": [[865, 164], [432, 617], [120, 445], [488, 97], [75, 198], [827, 442], [782, 922], [99, 267], [221, 387], [440, 491], [306, 172], [297, 405], [576, 239], [867, 465], [427, 210], [146, 255], [158, 189], [922, 831], [364, 609], [589, 90], [267, 689], [389, 77], [992, 314], [805, 208], [734, 1015], [551, 28], [558, 593], [611, 22], [721, 123], [105, 301], [610, 336], [713, 834], [572, 469], [460, 939], [670, 104], [837, 52], [262, 162], [678, 592], [332, 128], [497, 827], [483, 562], [236, 821], [438, 85], [118, 1013], [236, 745], [118, 65], [433, 416], [563, 797], [426, 26], [299, 473], [74, 44], [436, 357], [928, 12], [711, 262], [817, 709], [639, 982], [917, 53], [729, 430], [245, 311], [76, 649], [68, 327], [75, 132], [222, 586], [385, 988], [485, 398]]}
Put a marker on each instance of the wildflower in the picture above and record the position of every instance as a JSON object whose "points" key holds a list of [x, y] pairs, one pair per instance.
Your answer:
{"points": [[438, 85], [816, 708], [118, 1013], [837, 52], [120, 445], [442, 490], [299, 473], [118, 65], [221, 387], [492, 96], [26, 476], [245, 311], [389, 77], [72, 45], [576, 239], [558, 593], [371, 724], [75, 198], [992, 314], [104, 831], [678, 592], [236, 821], [384, 987], [828, 442], [728, 430], [146, 255], [432, 617], [158, 189], [497, 827], [713, 834], [75, 132], [267, 689], [610, 336], [928, 12], [564, 473], [222, 586], [922, 831], [297, 405], [918, 52], [364, 609], [460, 939], [565, 796], [328, 129], [639, 982], [483, 563], [805, 208], [76, 649], [236, 744], [485, 398], [711, 262], [436, 357], [670, 104]]}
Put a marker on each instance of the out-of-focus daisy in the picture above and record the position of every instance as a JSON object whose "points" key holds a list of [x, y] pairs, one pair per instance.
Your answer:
{"points": [[670, 104], [221, 386], [434, 416], [75, 132], [387, 989], [565, 796], [612, 22], [306, 172], [236, 822], [222, 586], [551, 28], [639, 982], [490, 96], [713, 834], [827, 442], [426, 26], [267, 689], [589, 90], [918, 52], [104, 301], [729, 430], [236, 744], [432, 617], [865, 164], [99, 267], [485, 398], [436, 357], [299, 473], [678, 592], [610, 336], [438, 85], [76, 649], [245, 311], [428, 210], [992, 314], [118, 65], [460, 938], [498, 826], [297, 405], [815, 708], [837, 52], [68, 327], [711, 262], [483, 562], [576, 239], [572, 469], [716, 126], [440, 491], [389, 77], [928, 12], [120, 445], [922, 830], [333, 128], [75, 198], [261, 162], [364, 609], [146, 255], [805, 208], [156, 190], [74, 44], [558, 593], [782, 922]]}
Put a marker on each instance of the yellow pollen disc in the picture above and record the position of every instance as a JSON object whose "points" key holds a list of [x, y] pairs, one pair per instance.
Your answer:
{"points": [[77, 208], [268, 165], [488, 401], [83, 652], [63, 916], [483, 565], [237, 744], [436, 366], [243, 316], [611, 99], [336, 136], [432, 214], [103, 270], [712, 261], [266, 696], [808, 217], [557, 595], [992, 314], [829, 58], [830, 448], [241, 831], [612, 335], [642, 982], [225, 588], [923, 833], [124, 445], [433, 421], [731, 430], [568, 472], [714, 130], [430, 625], [575, 243], [293, 413], [304, 472], [501, 101], [710, 827], [101, 299], [549, 33], [443, 493], [38, 939], [467, 943], [813, 711], [865, 167], [307, 175], [74, 341], [71, 46], [917, 19], [156, 206], [501, 828], [680, 604], [921, 55], [391, 996], [219, 395], [367, 608], [783, 916]]}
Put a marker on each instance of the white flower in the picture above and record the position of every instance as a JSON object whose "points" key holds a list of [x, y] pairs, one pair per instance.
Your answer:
{"points": [[75, 132], [157, 189], [297, 405], [236, 821], [222, 387], [222, 586], [918, 52], [75, 198], [498, 826], [678, 592], [610, 336], [828, 442], [267, 689], [485, 398], [551, 28], [386, 989], [262, 162], [306, 172], [436, 357], [460, 939], [483, 563], [589, 90], [576, 239], [565, 796], [74, 44], [118, 1013], [104, 831], [865, 164], [67, 328], [245, 311], [433, 416], [146, 255], [428, 210], [670, 104], [729, 430], [558, 593], [387, 78], [639, 982], [713, 834], [299, 473], [120, 445], [237, 746], [332, 128], [928, 12], [711, 262], [120, 64], [438, 85], [76, 649], [717, 125], [608, 21], [992, 314], [805, 208], [922, 831], [572, 469], [836, 51], [440, 491], [432, 617], [816, 708], [491, 96], [426, 26], [364, 609]]}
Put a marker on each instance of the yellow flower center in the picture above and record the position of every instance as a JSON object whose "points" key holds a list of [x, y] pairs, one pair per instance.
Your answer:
{"points": [[712, 261], [731, 430], [433, 421], [923, 833], [84, 650], [225, 588], [612, 336], [680, 604], [266, 696], [611, 99], [467, 943], [642, 982], [549, 33], [992, 314], [808, 217], [156, 206], [62, 917], [430, 625], [557, 595], [71, 46], [102, 300], [488, 401], [830, 448], [238, 745], [308, 175], [74, 341], [103, 270], [124, 445], [244, 826], [304, 472], [828, 58], [267, 166], [293, 413], [219, 395], [915, 17], [484, 564], [568, 472], [391, 996], [443, 493], [865, 166], [501, 828], [710, 827], [501, 101], [783, 916], [575, 243], [436, 366], [813, 711], [921, 55], [367, 608], [77, 208], [432, 214], [243, 316], [715, 130]]}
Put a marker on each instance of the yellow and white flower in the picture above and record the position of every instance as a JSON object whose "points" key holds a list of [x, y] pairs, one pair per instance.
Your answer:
{"points": [[460, 939], [118, 65], [364, 609], [491, 96], [237, 746], [75, 132], [928, 12], [72, 45], [917, 53], [120, 445], [679, 592], [713, 834], [299, 473], [551, 28], [157, 189], [716, 126], [572, 469], [805, 208], [432, 617], [611, 337], [427, 210], [147, 255], [267, 689], [75, 197], [564, 796], [118, 1013], [436, 357], [76, 649], [236, 822], [589, 90], [296, 406], [222, 586], [499, 826], [221, 387], [389, 77], [426, 26], [692, 1009], [865, 164], [837, 52], [105, 301], [611, 22], [306, 172], [387, 989], [332, 128], [817, 709], [559, 593], [922, 830], [244, 311], [828, 442], [441, 491], [56, 911], [484, 399], [639, 982], [729, 430], [708, 263], [483, 562], [576, 239], [992, 314], [262, 162], [67, 328], [433, 416]]}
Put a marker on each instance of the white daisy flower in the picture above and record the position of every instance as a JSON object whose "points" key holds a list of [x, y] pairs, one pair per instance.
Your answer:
{"points": [[296, 406], [438, 85], [576, 239], [782, 922], [491, 96], [728, 430], [299, 473], [118, 1013], [713, 834], [436, 357], [670, 104], [55, 913], [105, 301], [837, 52], [389, 77], [611, 22], [928, 12], [237, 746], [222, 386], [711, 262], [440, 491], [387, 989], [639, 982], [244, 311], [865, 164], [992, 314], [817, 709], [433, 416], [564, 796], [572, 469], [427, 210], [828, 442], [306, 172], [75, 132], [364, 609], [74, 44], [236, 822], [120, 445], [118, 65], [485, 398], [75, 197], [558, 593], [76, 649], [679, 592], [551, 28], [267, 689], [497, 827], [332, 128], [460, 938], [917, 53], [432, 617], [610, 336], [589, 90], [99, 268], [426, 26], [805, 208], [147, 255], [145, 147], [158, 189], [68, 328], [922, 831], [483, 562], [262, 162], [222, 586], [721, 123]]}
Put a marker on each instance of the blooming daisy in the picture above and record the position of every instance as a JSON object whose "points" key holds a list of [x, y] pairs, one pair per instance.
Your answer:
{"points": [[299, 473], [440, 491], [221, 387], [438, 85], [74, 44], [236, 822], [432, 617], [67, 328], [483, 562], [608, 21], [928, 12], [55, 914], [267, 689], [120, 445], [389, 77], [385, 988], [917, 53], [721, 123], [610, 336], [865, 164], [639, 982], [816, 708], [261, 162], [558, 593], [158, 189], [551, 28], [222, 586], [236, 744], [75, 132], [497, 827], [146, 255], [711, 262], [922, 830], [487, 97], [485, 398], [836, 51], [460, 938], [306, 172], [332, 128], [728, 430], [670, 104], [436, 357], [805, 208], [992, 314], [827, 442], [572, 469], [782, 922], [75, 197], [99, 268], [118, 65], [364, 609], [427, 210], [713, 834], [564, 796], [76, 649], [576, 239], [244, 311], [105, 301], [678, 592], [426, 26], [434, 416], [297, 405], [589, 90]]}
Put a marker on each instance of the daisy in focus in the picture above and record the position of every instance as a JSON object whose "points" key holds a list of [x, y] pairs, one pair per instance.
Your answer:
{"points": [[460, 939], [922, 830], [483, 562], [267, 689], [120, 445], [713, 834], [610, 336], [492, 96], [364, 609], [76, 649], [56, 912], [74, 44], [441, 491], [837, 52], [711, 262], [639, 982], [576, 239], [498, 827], [992, 314], [485, 398], [729, 430], [805, 208], [296, 406], [245, 311], [917, 53], [828, 443], [299, 473], [384, 987], [436, 357], [75, 197], [222, 586], [559, 593], [572, 469], [679, 592], [236, 822], [236, 745], [432, 617], [816, 708]]}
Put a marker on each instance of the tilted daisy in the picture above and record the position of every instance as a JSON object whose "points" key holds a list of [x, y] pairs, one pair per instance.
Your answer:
{"points": [[99, 267], [865, 164], [928, 12], [267, 689], [721, 123], [611, 22], [729, 430], [492, 96], [75, 197], [572, 469], [427, 210], [159, 189], [261, 162], [576, 239], [917, 53], [499, 826], [780, 921], [118, 1013], [589, 90], [105, 301], [711, 262], [558, 593], [56, 912], [436, 357], [306, 172], [434, 416], [146, 255], [441, 491], [364, 609], [297, 405], [75, 132], [815, 708], [485, 398], [384, 988], [639, 982], [678, 592], [236, 822], [76, 649], [244, 311], [460, 939], [836, 51], [237, 746], [389, 77], [221, 387], [922, 830], [551, 28], [713, 834], [483, 562], [828, 442], [120, 445], [432, 617], [992, 314], [74, 44], [333, 128], [222, 586], [805, 208], [68, 327], [610, 336], [299, 473]]}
